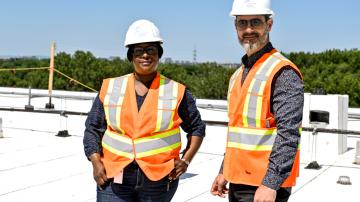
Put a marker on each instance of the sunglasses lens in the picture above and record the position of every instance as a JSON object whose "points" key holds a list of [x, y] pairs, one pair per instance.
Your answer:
{"points": [[151, 50], [255, 22], [139, 51], [242, 23]]}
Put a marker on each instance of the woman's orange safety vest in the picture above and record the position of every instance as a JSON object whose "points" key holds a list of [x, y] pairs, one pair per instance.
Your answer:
{"points": [[150, 136], [252, 128]]}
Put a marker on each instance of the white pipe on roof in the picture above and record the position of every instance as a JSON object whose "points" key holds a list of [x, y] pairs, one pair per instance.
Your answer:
{"points": [[1, 131]]}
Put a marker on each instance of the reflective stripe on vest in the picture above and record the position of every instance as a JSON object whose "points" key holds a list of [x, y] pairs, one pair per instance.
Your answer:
{"points": [[233, 79], [113, 101], [158, 143], [251, 139], [232, 82], [167, 101], [147, 146], [118, 143], [253, 100]]}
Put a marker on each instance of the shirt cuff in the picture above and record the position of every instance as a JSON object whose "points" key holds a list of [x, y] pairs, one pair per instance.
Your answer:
{"points": [[273, 180], [91, 153]]}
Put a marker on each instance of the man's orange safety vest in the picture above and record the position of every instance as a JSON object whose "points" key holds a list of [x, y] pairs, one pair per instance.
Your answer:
{"points": [[150, 136], [252, 127]]}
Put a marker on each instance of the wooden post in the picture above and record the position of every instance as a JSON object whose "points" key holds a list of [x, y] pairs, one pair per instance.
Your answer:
{"points": [[51, 75]]}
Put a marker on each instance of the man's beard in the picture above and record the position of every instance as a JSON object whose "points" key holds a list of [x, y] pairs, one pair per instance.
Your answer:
{"points": [[252, 47]]}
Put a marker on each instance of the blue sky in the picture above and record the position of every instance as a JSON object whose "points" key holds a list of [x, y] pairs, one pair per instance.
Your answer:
{"points": [[28, 27]]}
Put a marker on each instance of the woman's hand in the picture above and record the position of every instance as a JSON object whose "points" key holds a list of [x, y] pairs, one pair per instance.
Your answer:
{"points": [[180, 168], [99, 172]]}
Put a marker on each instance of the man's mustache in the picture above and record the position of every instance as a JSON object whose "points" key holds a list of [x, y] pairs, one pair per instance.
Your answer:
{"points": [[251, 35]]}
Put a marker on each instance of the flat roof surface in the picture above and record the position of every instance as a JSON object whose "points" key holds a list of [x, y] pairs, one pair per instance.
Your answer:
{"points": [[37, 165]]}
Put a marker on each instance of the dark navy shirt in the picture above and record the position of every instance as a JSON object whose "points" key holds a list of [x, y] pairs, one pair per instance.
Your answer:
{"points": [[96, 124], [287, 100]]}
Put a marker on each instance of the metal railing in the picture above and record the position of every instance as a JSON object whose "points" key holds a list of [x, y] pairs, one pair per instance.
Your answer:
{"points": [[202, 106], [209, 122]]}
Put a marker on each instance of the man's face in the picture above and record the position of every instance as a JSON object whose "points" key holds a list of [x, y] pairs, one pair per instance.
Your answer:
{"points": [[252, 31]]}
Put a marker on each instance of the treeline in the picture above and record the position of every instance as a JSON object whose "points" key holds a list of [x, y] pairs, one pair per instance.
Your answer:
{"points": [[332, 71]]}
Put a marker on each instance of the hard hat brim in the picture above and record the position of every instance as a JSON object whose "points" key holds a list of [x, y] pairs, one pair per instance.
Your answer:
{"points": [[145, 41], [252, 12]]}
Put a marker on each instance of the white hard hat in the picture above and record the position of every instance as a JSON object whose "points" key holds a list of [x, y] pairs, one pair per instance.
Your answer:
{"points": [[142, 31], [251, 7]]}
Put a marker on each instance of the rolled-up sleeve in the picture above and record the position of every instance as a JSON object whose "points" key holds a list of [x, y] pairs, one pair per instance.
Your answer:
{"points": [[95, 127], [192, 123], [288, 101]]}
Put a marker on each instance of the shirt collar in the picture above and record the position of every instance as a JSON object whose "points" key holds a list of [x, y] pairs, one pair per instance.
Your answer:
{"points": [[250, 61]]}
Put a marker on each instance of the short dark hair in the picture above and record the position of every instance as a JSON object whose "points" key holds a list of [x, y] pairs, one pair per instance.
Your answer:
{"points": [[267, 17], [131, 47]]}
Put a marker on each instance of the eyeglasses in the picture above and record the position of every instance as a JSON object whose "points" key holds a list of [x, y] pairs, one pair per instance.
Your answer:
{"points": [[254, 23], [150, 50]]}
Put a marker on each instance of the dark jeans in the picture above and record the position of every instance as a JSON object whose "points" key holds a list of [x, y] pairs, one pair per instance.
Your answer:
{"points": [[136, 187], [245, 193]]}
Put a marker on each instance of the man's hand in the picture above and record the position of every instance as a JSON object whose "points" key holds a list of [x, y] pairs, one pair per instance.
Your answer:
{"points": [[99, 172], [218, 187], [264, 194]]}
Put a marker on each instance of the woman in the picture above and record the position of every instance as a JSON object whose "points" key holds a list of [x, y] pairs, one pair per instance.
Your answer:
{"points": [[132, 134]]}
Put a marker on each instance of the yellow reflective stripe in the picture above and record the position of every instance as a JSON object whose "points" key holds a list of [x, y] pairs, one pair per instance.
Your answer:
{"points": [[159, 116], [161, 87], [272, 67], [253, 131], [259, 103], [160, 103], [250, 147], [173, 104], [246, 104], [259, 100], [118, 114], [119, 137], [171, 122], [259, 95], [158, 151], [175, 95], [261, 90], [107, 97], [115, 151], [158, 136], [120, 102], [175, 91], [281, 57], [234, 77], [232, 82]]}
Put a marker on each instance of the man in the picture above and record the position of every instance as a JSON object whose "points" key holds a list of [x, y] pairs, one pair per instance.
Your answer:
{"points": [[265, 100]]}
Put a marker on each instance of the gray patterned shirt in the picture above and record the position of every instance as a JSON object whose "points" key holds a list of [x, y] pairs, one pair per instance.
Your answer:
{"points": [[287, 100]]}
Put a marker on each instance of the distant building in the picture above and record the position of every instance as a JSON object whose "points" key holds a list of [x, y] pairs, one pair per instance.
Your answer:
{"points": [[114, 57], [230, 65], [168, 60]]}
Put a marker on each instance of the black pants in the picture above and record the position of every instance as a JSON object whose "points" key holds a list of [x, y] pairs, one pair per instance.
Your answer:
{"points": [[246, 193]]}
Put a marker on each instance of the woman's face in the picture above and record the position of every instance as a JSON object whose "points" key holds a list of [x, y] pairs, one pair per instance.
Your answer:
{"points": [[145, 58]]}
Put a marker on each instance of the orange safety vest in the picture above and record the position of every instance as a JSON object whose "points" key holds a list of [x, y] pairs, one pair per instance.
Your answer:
{"points": [[252, 127], [150, 136]]}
